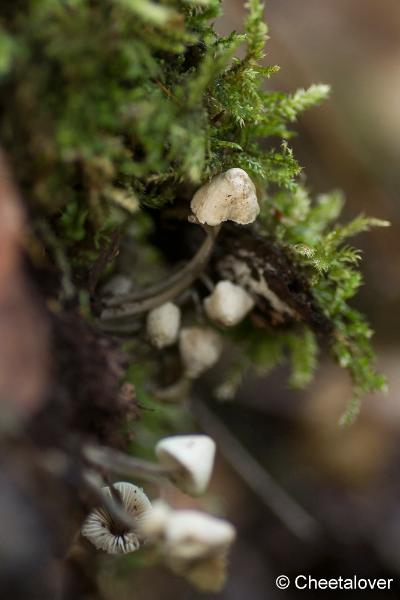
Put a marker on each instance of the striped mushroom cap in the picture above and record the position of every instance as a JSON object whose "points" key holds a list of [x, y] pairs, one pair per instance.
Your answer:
{"points": [[100, 529]]}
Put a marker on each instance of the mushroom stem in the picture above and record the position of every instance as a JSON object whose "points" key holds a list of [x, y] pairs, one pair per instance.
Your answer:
{"points": [[136, 303], [118, 462], [114, 508]]}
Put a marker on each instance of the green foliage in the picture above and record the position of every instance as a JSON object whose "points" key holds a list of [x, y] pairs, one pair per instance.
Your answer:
{"points": [[7, 48], [303, 354], [137, 93], [109, 106], [262, 352], [331, 266]]}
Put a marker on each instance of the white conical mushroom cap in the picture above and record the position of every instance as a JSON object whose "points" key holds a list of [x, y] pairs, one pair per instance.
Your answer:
{"points": [[192, 457], [228, 196], [98, 527], [191, 535], [163, 324], [228, 304], [200, 349]]}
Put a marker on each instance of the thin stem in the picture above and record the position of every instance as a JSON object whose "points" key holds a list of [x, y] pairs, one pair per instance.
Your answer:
{"points": [[157, 294], [114, 508], [118, 462], [61, 465]]}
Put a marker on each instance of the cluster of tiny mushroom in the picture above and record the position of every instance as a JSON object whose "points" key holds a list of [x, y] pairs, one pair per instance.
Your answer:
{"points": [[192, 543], [228, 196]]}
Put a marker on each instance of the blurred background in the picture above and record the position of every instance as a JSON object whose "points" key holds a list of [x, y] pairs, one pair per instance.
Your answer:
{"points": [[341, 515]]}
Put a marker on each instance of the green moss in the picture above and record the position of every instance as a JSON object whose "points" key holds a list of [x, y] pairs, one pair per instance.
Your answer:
{"points": [[108, 106]]}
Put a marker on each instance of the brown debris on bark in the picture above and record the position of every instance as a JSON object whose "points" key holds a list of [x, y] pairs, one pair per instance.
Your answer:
{"points": [[268, 261], [270, 271], [60, 388]]}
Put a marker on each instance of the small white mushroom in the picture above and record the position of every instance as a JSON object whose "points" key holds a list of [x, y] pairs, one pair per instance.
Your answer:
{"points": [[191, 535], [163, 324], [193, 544], [102, 532], [186, 534], [191, 460], [230, 196], [228, 304], [196, 546], [200, 349]]}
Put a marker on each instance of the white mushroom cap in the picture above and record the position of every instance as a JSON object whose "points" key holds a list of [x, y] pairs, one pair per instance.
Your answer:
{"points": [[228, 304], [230, 196], [98, 527], [194, 544], [200, 349], [163, 324], [192, 457], [191, 535]]}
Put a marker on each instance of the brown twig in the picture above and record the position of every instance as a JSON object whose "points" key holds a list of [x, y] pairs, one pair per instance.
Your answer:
{"points": [[155, 295], [118, 462], [164, 89]]}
